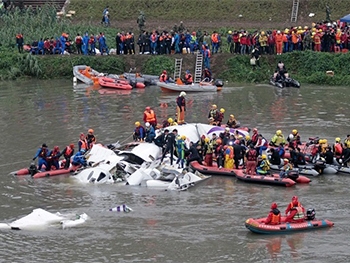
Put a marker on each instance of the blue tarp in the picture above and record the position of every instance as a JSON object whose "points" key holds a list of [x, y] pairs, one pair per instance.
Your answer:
{"points": [[345, 19]]}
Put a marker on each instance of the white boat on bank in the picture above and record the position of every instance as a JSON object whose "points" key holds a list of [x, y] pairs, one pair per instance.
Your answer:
{"points": [[195, 87], [89, 80]]}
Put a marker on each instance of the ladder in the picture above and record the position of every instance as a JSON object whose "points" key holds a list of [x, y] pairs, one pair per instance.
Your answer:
{"points": [[177, 70], [198, 68], [295, 8]]}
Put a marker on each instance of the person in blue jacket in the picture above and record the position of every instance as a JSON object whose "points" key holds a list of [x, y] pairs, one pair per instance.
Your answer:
{"points": [[79, 159], [42, 154], [85, 46], [150, 133], [103, 44]]}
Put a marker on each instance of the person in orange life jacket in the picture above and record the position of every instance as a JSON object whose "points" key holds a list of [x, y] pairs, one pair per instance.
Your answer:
{"points": [[153, 44], [274, 216], [251, 160], [53, 158], [261, 144], [188, 78], [82, 143], [90, 138], [42, 153], [291, 205], [164, 77], [338, 149], [207, 76], [139, 132], [67, 154], [296, 213], [255, 136], [181, 107], [206, 55], [150, 116], [92, 44]]}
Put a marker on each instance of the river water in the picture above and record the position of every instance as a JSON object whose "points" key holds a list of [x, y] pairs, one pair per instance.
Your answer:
{"points": [[204, 224]]}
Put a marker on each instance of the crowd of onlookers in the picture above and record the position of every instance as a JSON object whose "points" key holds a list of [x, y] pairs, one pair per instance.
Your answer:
{"points": [[325, 37]]}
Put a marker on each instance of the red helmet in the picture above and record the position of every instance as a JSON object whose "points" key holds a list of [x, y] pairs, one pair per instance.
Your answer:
{"points": [[255, 130], [273, 206], [295, 198], [71, 145], [56, 148], [164, 72], [148, 108]]}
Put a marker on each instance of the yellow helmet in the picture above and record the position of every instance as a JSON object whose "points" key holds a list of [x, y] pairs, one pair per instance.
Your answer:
{"points": [[320, 30], [206, 139], [262, 32], [232, 116], [325, 141], [222, 110], [299, 27], [294, 131], [263, 156], [214, 106], [183, 137], [247, 137], [170, 120], [137, 124], [278, 132], [230, 32], [337, 139]]}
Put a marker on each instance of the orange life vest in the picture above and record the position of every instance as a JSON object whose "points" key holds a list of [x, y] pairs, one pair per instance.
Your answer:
{"points": [[338, 149], [214, 38], [83, 144], [279, 38], [150, 116], [276, 219], [317, 39], [68, 151], [188, 78]]}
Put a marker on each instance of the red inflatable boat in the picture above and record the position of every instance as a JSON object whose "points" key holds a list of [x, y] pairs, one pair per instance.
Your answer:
{"points": [[40, 174], [106, 82], [262, 179], [211, 170], [258, 226]]}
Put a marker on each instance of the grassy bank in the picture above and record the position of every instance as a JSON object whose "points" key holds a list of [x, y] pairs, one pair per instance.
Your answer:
{"points": [[207, 14], [307, 67]]}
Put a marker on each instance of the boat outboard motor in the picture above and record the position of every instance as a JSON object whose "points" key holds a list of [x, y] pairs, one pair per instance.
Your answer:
{"points": [[293, 175], [33, 169], [310, 214], [219, 83], [320, 165]]}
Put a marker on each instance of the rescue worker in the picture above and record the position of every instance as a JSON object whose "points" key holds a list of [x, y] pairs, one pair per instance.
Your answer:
{"points": [[251, 160], [275, 157], [150, 116], [181, 107], [213, 113], [238, 152], [170, 144], [232, 122], [338, 149], [264, 167], [287, 166], [193, 154], [53, 158], [294, 138], [219, 153], [79, 159], [228, 157], [160, 139], [150, 133], [90, 138], [82, 143], [164, 77], [42, 153], [291, 204], [329, 155], [67, 153], [188, 78], [274, 217], [261, 144], [277, 139], [219, 117], [180, 149], [207, 76], [209, 152], [139, 132], [279, 42], [255, 136], [296, 213]]}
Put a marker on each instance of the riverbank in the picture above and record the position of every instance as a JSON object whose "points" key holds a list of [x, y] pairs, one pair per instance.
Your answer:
{"points": [[307, 67]]}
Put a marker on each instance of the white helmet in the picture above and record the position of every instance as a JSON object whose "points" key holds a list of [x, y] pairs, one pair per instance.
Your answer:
{"points": [[147, 124], [182, 94], [291, 136]]}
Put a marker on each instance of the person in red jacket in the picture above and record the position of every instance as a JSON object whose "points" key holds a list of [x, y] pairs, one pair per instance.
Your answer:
{"points": [[292, 204], [274, 217], [296, 213]]}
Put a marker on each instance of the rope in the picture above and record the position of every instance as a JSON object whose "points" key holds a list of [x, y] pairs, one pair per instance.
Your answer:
{"points": [[126, 139]]}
